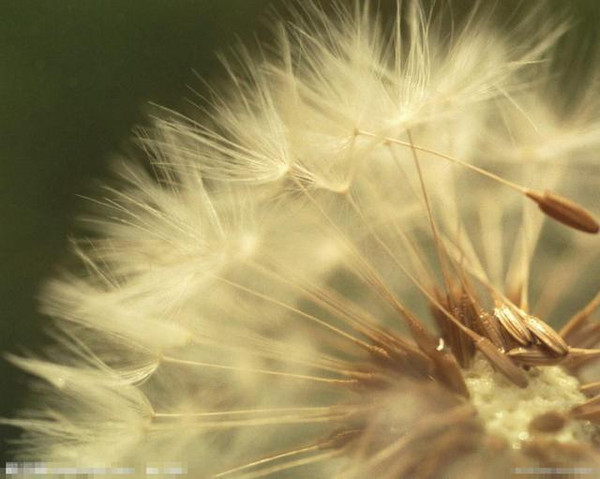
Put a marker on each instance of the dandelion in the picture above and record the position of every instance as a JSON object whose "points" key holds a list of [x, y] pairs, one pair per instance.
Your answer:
{"points": [[371, 258]]}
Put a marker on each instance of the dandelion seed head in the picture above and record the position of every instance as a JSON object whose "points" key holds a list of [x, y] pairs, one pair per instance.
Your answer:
{"points": [[341, 268]]}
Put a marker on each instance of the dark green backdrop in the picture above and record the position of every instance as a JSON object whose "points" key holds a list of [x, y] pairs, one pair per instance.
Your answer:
{"points": [[75, 76]]}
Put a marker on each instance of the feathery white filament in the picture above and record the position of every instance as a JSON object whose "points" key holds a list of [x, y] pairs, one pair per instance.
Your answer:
{"points": [[238, 293]]}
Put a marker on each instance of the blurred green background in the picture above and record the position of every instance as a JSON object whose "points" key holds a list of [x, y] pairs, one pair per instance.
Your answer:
{"points": [[77, 75]]}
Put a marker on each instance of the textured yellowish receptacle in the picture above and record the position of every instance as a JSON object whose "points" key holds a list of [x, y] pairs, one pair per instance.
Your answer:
{"points": [[508, 411]]}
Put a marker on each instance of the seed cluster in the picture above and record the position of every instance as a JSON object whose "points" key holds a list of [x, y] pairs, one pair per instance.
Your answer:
{"points": [[343, 269]]}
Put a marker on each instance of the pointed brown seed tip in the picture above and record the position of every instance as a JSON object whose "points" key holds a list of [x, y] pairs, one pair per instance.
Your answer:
{"points": [[513, 324], [586, 412], [565, 211], [502, 363], [490, 328], [546, 335], [450, 374], [534, 356], [591, 389], [551, 421]]}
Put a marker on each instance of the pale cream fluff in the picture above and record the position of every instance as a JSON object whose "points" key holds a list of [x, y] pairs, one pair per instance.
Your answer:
{"points": [[244, 304], [508, 411]]}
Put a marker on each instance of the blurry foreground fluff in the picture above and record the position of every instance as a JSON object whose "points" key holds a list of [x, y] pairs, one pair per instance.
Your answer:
{"points": [[351, 264]]}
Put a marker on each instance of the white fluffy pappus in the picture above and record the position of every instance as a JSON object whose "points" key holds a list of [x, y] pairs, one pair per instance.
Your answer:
{"points": [[318, 276]]}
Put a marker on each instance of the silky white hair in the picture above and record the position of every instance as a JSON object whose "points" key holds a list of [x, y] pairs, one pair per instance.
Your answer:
{"points": [[230, 288]]}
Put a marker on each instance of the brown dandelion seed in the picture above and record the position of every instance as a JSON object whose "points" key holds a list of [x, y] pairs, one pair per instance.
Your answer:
{"points": [[490, 327], [513, 324], [503, 363], [565, 211], [552, 421], [534, 356], [546, 335]]}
